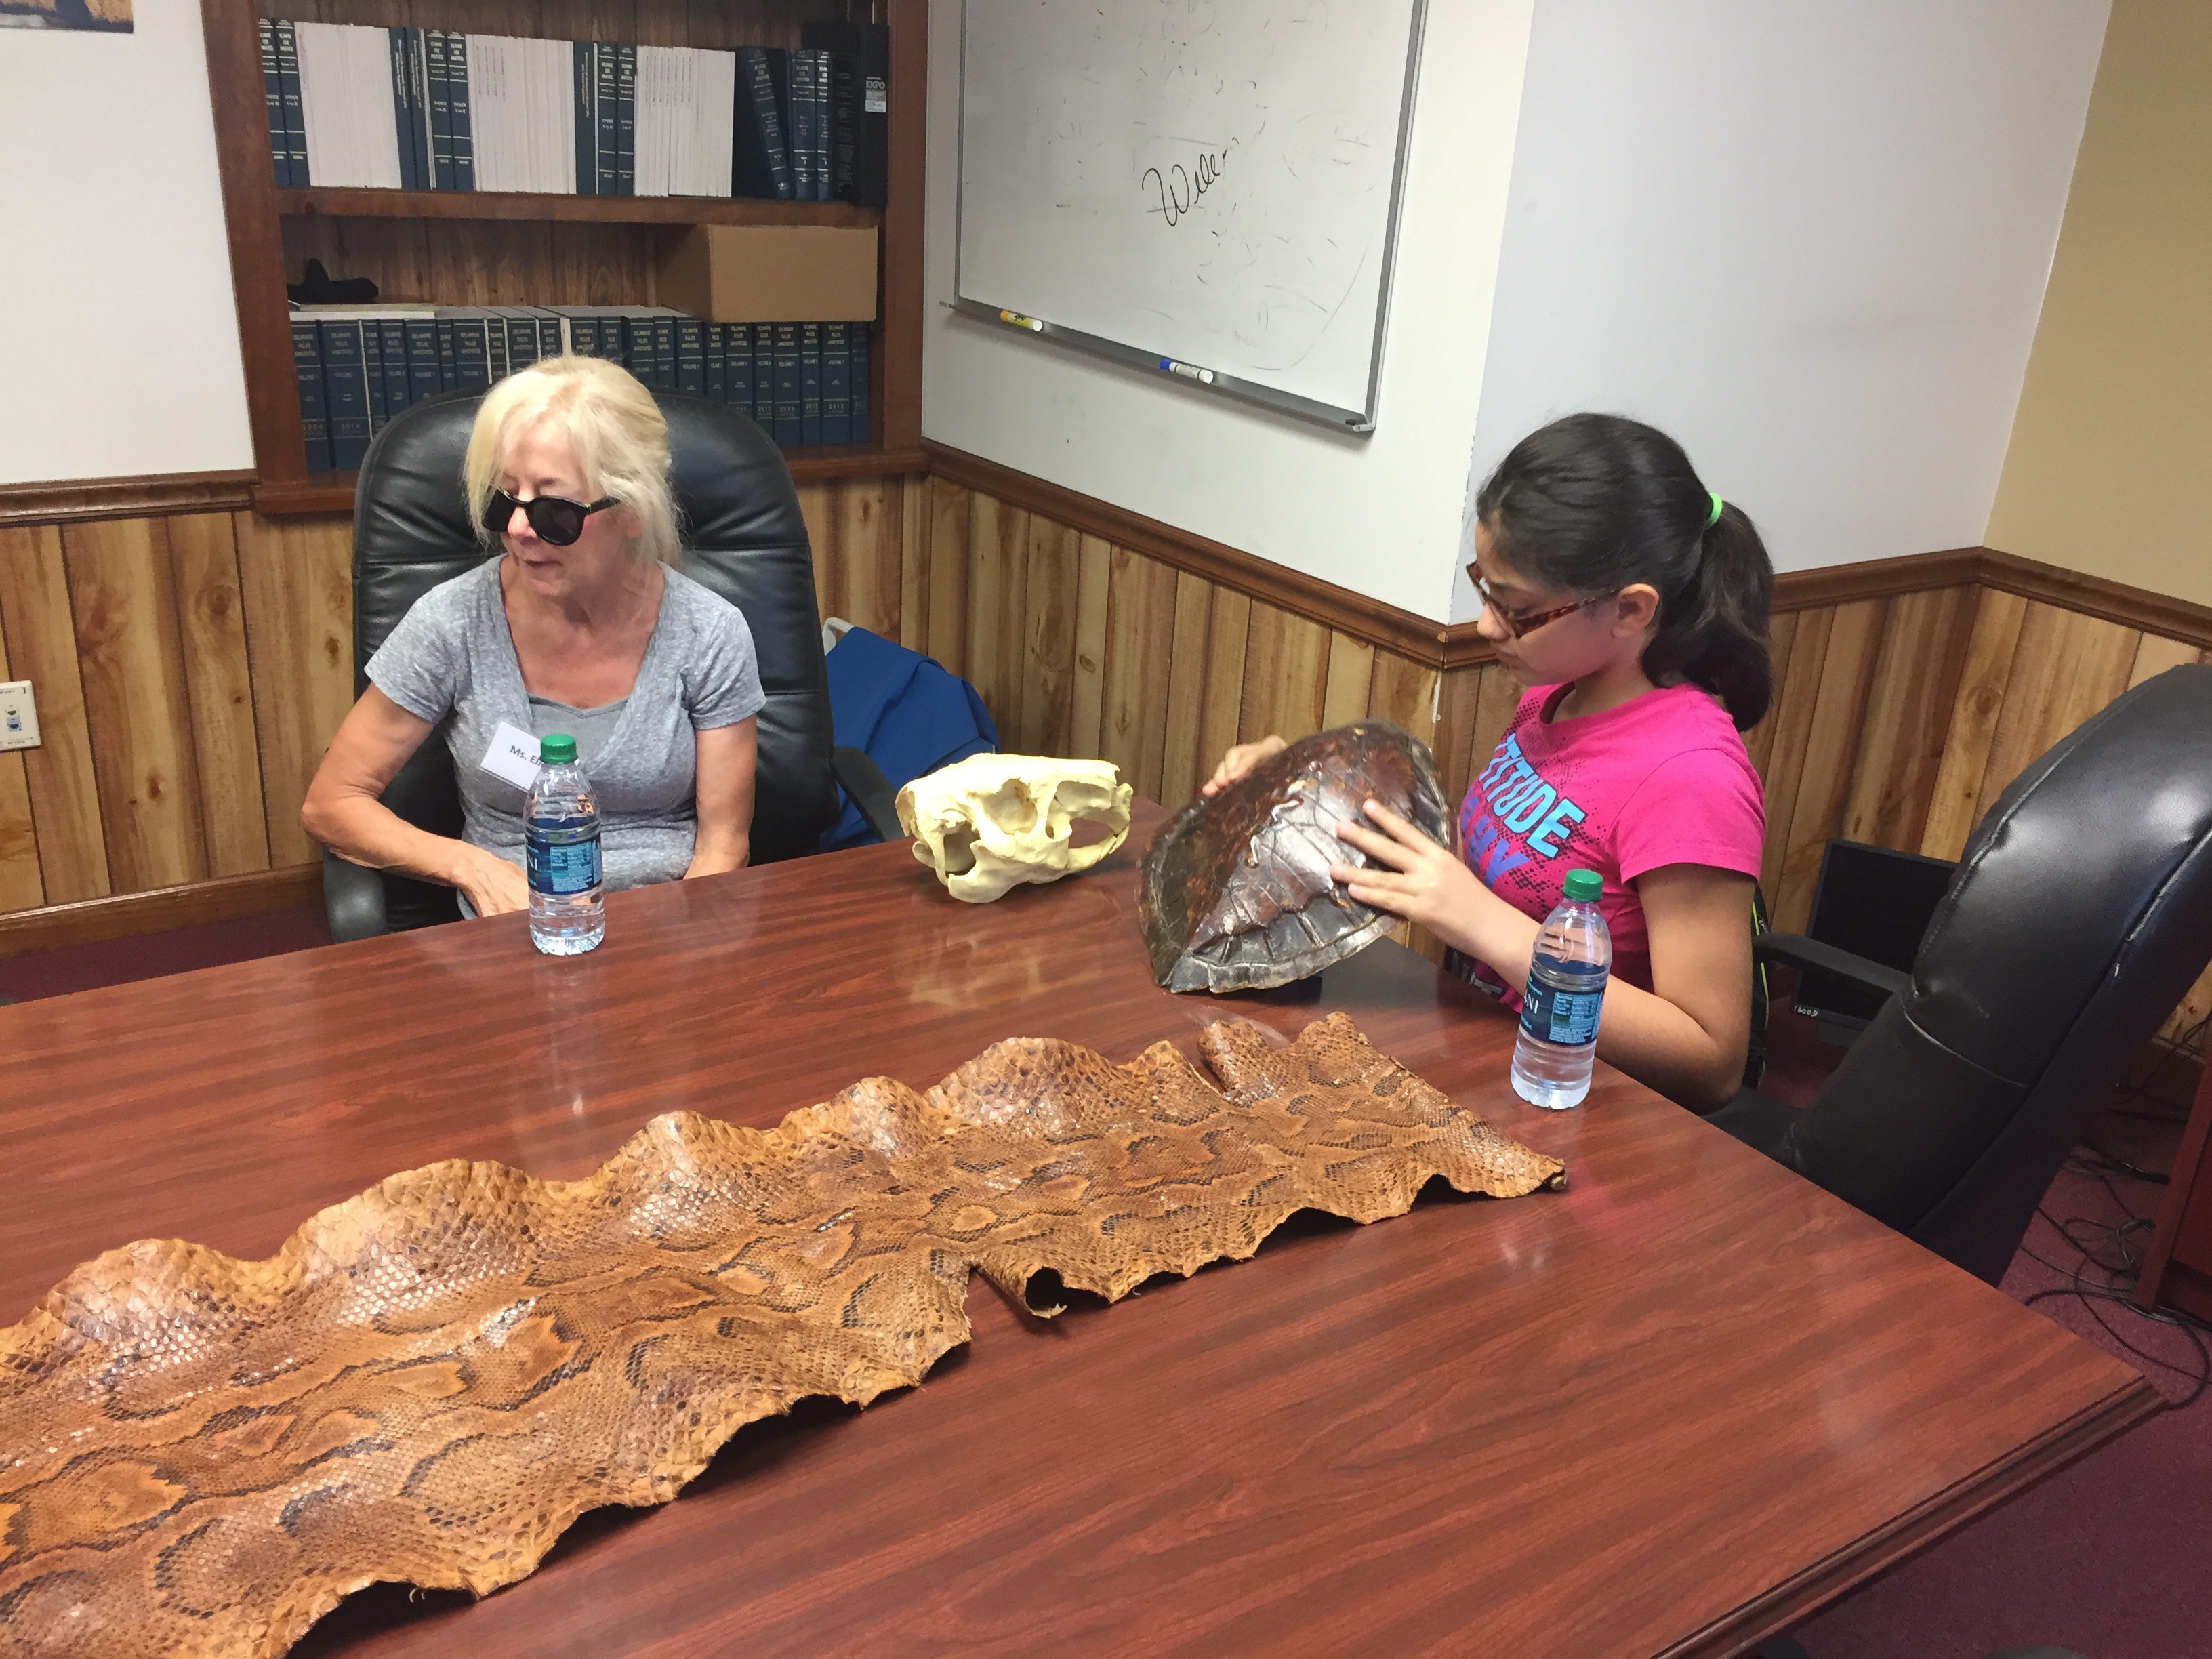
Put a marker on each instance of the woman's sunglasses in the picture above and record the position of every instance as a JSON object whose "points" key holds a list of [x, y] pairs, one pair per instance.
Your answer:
{"points": [[555, 519], [1518, 623]]}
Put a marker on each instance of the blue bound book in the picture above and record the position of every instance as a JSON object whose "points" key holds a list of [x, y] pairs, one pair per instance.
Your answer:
{"points": [[314, 416], [585, 68], [372, 366], [421, 358], [402, 116], [387, 359], [288, 83], [471, 357], [457, 96], [664, 352], [793, 72], [836, 382], [626, 120], [345, 391], [442, 109], [786, 428], [418, 110], [449, 375], [810, 383], [861, 332], [520, 330], [637, 345], [718, 384], [691, 356], [825, 183], [760, 156], [272, 90], [763, 375], [738, 369], [606, 107]]}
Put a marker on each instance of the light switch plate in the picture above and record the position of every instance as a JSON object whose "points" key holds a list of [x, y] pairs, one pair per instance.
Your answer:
{"points": [[19, 716]]}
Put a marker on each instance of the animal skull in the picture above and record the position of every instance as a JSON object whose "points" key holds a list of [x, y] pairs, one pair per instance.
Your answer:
{"points": [[992, 821]]}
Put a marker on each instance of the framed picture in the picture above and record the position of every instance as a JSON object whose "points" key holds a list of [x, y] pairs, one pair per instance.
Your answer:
{"points": [[107, 17]]}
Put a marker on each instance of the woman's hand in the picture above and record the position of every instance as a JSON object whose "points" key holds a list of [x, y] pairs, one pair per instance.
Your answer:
{"points": [[1411, 875], [492, 884], [1239, 761], [343, 810]]}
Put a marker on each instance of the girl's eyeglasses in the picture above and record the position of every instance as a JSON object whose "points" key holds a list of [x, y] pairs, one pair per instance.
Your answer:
{"points": [[555, 519], [1518, 623]]}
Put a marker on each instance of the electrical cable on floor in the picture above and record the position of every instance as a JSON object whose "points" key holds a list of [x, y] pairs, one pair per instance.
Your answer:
{"points": [[2120, 1277]]}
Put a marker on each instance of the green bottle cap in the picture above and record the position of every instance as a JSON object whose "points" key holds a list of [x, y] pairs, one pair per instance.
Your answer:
{"points": [[1583, 886], [559, 749]]}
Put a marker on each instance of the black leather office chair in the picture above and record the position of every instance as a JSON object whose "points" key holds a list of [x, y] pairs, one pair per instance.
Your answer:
{"points": [[742, 537], [2080, 913]]}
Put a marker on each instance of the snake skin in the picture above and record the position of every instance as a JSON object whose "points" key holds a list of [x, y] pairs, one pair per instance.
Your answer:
{"points": [[428, 1382], [1235, 894]]}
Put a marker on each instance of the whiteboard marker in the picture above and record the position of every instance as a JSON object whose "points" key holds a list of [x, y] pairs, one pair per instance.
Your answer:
{"points": [[1020, 321], [1189, 371]]}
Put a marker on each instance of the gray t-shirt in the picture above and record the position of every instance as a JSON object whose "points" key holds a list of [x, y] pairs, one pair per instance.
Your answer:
{"points": [[590, 727], [452, 654]]}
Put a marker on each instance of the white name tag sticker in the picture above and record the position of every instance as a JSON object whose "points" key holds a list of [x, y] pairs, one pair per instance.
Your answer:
{"points": [[513, 756]]}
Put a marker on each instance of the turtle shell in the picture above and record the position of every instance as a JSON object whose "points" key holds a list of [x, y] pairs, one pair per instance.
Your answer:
{"points": [[1236, 895]]}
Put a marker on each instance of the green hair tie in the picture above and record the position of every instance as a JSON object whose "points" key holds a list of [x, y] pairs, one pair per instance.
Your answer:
{"points": [[1713, 517]]}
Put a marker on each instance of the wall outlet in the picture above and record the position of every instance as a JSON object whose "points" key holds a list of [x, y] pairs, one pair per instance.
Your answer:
{"points": [[19, 716]]}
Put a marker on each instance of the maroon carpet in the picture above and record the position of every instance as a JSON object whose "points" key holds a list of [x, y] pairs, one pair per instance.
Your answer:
{"points": [[2111, 1557]]}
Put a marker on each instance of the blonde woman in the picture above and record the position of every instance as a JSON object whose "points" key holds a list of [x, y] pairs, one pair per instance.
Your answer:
{"points": [[582, 626]]}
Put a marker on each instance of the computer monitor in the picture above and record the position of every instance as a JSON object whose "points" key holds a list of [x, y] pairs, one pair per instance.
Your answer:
{"points": [[1874, 902]]}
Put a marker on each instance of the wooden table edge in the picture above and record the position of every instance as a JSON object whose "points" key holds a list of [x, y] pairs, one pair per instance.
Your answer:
{"points": [[1796, 1598]]}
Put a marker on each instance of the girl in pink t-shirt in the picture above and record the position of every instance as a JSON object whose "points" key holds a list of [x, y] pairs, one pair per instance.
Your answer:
{"points": [[1632, 602]]}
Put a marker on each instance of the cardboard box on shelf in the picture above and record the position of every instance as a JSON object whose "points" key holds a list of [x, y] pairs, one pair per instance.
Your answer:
{"points": [[772, 274]]}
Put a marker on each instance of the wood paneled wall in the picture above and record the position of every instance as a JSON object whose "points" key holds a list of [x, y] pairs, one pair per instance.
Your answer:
{"points": [[192, 669], [189, 670], [1081, 647]]}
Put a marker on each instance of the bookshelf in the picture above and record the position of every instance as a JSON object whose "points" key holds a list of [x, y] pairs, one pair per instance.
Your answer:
{"points": [[314, 202], [470, 248]]}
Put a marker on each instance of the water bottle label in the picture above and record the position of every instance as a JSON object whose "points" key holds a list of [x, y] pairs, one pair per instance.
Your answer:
{"points": [[562, 862], [1557, 1016]]}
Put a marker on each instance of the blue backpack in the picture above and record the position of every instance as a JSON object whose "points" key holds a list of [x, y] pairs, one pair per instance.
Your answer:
{"points": [[907, 714]]}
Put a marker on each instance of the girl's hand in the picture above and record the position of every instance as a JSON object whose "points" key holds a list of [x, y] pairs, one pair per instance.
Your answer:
{"points": [[493, 885], [1412, 876], [1240, 761]]}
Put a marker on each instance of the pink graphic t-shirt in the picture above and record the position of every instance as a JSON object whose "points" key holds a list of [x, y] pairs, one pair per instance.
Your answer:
{"points": [[1662, 779]]}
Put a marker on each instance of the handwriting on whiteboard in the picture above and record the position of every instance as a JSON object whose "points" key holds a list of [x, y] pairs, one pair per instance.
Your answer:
{"points": [[1179, 188]]}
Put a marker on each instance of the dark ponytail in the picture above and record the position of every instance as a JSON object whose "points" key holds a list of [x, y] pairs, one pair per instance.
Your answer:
{"points": [[1594, 502]]}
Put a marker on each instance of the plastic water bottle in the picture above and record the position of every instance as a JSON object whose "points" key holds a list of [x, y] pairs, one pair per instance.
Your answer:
{"points": [[1558, 1040], [561, 840]]}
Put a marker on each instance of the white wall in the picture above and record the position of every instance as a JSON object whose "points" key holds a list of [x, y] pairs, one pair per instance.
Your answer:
{"points": [[119, 337], [1379, 515], [1808, 239]]}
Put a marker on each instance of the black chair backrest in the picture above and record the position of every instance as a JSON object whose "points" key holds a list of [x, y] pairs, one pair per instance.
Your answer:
{"points": [[743, 536], [2080, 916]]}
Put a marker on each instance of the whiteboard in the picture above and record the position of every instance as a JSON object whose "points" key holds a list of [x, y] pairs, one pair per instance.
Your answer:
{"points": [[1207, 189]]}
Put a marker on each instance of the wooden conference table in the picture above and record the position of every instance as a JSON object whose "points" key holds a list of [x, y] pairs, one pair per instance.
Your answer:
{"points": [[1672, 1410]]}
